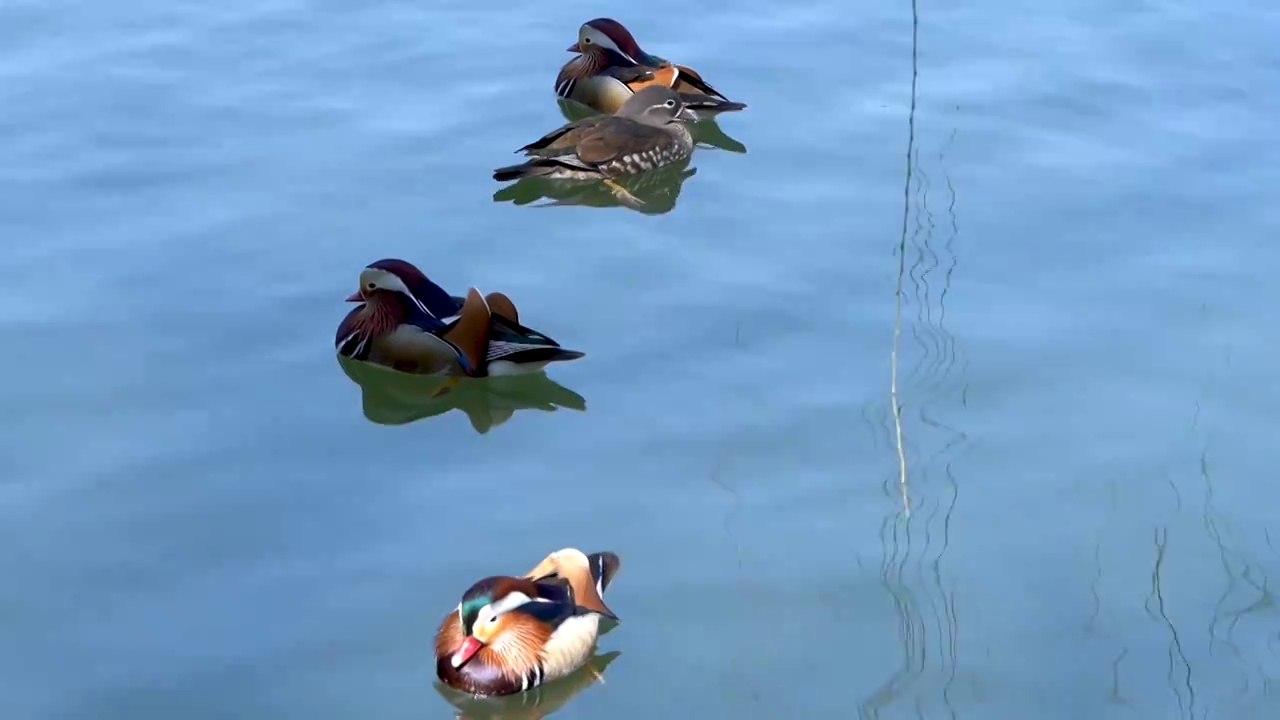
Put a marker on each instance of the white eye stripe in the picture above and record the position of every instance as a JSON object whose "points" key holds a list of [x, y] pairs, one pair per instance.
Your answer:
{"points": [[376, 279], [510, 602]]}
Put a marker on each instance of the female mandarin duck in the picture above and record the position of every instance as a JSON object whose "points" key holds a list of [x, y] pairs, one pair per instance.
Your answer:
{"points": [[407, 322], [611, 67], [512, 634], [648, 131]]}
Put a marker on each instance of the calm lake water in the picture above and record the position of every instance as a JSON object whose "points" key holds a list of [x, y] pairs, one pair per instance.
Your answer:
{"points": [[1074, 234]]}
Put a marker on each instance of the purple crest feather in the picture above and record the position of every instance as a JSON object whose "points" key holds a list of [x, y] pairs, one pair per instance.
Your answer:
{"points": [[619, 35], [434, 297]]}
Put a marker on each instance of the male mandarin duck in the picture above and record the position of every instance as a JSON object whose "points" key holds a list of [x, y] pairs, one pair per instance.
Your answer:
{"points": [[610, 67], [511, 634], [407, 322], [648, 131]]}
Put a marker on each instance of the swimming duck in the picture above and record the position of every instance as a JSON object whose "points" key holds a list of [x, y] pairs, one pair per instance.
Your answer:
{"points": [[649, 131], [511, 634], [407, 322], [610, 67]]}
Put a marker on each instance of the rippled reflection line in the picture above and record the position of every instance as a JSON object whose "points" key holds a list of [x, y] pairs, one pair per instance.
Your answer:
{"points": [[937, 344], [932, 340], [730, 516], [897, 538], [930, 375], [1224, 553], [909, 560], [1091, 625], [1230, 560], [1115, 695], [1176, 653], [910, 628]]}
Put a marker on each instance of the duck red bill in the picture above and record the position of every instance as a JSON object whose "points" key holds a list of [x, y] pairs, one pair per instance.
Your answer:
{"points": [[470, 646], [574, 48], [356, 297]]}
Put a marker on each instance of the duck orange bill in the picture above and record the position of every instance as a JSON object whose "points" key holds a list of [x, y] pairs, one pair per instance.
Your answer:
{"points": [[355, 297], [470, 646]]}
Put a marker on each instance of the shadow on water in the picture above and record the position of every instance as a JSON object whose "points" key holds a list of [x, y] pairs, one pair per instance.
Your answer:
{"points": [[652, 193], [537, 703], [706, 133], [915, 537], [390, 397]]}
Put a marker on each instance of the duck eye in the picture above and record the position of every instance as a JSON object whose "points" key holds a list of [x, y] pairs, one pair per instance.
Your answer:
{"points": [[670, 103], [373, 286], [587, 41]]}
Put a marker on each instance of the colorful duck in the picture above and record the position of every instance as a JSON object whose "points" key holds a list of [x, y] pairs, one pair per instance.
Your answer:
{"points": [[407, 322], [611, 67], [648, 131], [511, 634]]}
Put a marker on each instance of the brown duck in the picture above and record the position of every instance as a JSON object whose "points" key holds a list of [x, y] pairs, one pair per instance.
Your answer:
{"points": [[648, 131]]}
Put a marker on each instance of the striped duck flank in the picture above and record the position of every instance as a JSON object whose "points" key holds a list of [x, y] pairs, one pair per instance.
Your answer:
{"points": [[406, 321], [610, 67], [512, 634], [648, 132]]}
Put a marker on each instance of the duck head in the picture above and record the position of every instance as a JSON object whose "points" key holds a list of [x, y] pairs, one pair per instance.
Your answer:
{"points": [[656, 105], [490, 616], [609, 37], [400, 277], [393, 292]]}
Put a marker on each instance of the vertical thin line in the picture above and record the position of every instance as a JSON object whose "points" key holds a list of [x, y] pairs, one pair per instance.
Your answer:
{"points": [[902, 255]]}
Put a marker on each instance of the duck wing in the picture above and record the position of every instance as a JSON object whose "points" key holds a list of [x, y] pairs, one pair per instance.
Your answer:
{"points": [[561, 140], [616, 137]]}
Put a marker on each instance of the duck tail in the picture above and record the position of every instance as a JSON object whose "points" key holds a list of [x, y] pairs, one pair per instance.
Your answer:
{"points": [[604, 565], [530, 168], [706, 105]]}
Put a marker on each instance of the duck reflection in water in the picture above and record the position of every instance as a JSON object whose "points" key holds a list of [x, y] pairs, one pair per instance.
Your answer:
{"points": [[533, 704], [652, 193], [396, 398]]}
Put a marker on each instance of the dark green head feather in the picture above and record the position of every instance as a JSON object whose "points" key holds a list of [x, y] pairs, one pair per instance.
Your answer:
{"points": [[477, 596], [470, 609]]}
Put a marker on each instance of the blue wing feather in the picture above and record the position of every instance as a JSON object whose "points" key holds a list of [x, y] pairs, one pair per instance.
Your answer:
{"points": [[552, 613]]}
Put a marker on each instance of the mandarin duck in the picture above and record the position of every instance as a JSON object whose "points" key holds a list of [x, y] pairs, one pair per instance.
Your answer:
{"points": [[511, 634], [407, 322], [611, 67], [649, 131]]}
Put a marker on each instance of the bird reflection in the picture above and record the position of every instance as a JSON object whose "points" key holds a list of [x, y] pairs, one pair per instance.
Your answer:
{"points": [[396, 398], [533, 704], [653, 193], [706, 132]]}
